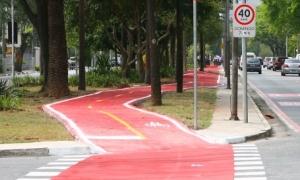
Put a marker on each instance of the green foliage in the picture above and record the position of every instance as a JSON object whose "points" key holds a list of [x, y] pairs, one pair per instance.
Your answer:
{"points": [[9, 96], [37, 68], [27, 81], [102, 65], [167, 72]]}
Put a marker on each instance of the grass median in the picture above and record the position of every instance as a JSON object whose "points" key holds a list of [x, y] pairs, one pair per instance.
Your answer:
{"points": [[29, 123], [180, 106]]}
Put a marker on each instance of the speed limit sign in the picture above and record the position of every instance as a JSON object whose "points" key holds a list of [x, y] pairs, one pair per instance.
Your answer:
{"points": [[244, 17]]}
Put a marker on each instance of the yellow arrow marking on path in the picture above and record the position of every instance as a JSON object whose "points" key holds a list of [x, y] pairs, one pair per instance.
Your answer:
{"points": [[126, 124]]}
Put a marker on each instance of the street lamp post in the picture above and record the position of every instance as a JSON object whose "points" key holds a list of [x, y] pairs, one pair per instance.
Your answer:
{"points": [[195, 62], [12, 40]]}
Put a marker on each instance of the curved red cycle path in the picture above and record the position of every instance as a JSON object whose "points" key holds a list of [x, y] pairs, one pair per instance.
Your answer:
{"points": [[139, 144]]}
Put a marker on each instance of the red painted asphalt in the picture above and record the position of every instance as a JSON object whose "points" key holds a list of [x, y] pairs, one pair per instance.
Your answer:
{"points": [[140, 144]]}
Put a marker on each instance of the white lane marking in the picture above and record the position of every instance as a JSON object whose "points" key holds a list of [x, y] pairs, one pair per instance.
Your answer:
{"points": [[256, 173], [284, 95], [53, 168], [33, 179], [77, 156], [70, 159], [240, 163], [243, 145], [245, 148], [246, 168], [247, 159], [289, 103], [62, 163], [246, 151], [157, 125], [43, 174], [246, 155], [114, 137], [251, 178]]}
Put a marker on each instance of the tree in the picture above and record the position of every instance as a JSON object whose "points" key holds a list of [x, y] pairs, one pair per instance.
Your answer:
{"points": [[37, 12], [58, 66], [152, 44]]}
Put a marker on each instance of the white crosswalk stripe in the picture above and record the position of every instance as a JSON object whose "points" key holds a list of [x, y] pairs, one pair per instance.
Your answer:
{"points": [[247, 163], [53, 169]]}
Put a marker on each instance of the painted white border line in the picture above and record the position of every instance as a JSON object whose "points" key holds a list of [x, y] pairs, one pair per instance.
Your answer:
{"points": [[114, 137], [283, 116]]}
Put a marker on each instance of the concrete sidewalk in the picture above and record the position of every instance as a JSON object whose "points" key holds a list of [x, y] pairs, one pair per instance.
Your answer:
{"points": [[226, 131], [221, 131]]}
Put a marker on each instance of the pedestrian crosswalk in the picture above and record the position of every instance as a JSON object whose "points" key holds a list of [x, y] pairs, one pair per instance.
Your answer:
{"points": [[247, 163], [54, 168]]}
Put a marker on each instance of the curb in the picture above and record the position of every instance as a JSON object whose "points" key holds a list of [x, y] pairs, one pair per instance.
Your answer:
{"points": [[42, 149], [268, 131]]}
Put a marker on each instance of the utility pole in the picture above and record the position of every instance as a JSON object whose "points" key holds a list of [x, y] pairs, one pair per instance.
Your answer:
{"points": [[245, 85], [287, 46], [12, 40], [234, 90], [227, 44], [195, 63]]}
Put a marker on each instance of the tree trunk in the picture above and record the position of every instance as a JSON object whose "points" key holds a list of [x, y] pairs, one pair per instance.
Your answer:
{"points": [[172, 47], [3, 41], [179, 59], [202, 52], [155, 65], [82, 85], [58, 66], [42, 30]]}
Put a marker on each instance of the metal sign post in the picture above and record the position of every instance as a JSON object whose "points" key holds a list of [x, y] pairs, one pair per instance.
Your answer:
{"points": [[195, 63], [12, 40], [244, 16]]}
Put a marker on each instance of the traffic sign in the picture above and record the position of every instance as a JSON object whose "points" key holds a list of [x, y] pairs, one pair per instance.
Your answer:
{"points": [[244, 16]]}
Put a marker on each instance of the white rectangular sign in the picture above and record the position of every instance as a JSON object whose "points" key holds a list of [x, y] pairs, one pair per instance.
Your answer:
{"points": [[244, 17]]}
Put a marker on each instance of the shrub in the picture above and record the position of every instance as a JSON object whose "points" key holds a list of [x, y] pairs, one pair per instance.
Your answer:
{"points": [[102, 64], [37, 68], [167, 72], [27, 81], [73, 81], [9, 96]]}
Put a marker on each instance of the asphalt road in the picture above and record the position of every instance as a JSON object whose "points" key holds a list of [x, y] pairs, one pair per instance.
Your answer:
{"points": [[16, 167], [280, 154]]}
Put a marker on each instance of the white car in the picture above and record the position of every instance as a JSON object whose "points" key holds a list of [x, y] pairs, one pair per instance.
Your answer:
{"points": [[249, 55]]}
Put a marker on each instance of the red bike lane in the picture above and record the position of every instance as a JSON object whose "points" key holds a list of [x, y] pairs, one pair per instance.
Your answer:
{"points": [[137, 144]]}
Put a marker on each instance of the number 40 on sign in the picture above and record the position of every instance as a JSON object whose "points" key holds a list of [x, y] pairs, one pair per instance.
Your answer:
{"points": [[244, 17]]}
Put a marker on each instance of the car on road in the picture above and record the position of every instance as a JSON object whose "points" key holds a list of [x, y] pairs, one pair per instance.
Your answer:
{"points": [[249, 56], [278, 62], [253, 65], [266, 61], [291, 66]]}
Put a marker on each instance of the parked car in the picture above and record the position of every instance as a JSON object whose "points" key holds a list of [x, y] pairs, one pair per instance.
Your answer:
{"points": [[278, 62], [298, 56], [72, 63], [253, 65], [291, 66]]}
